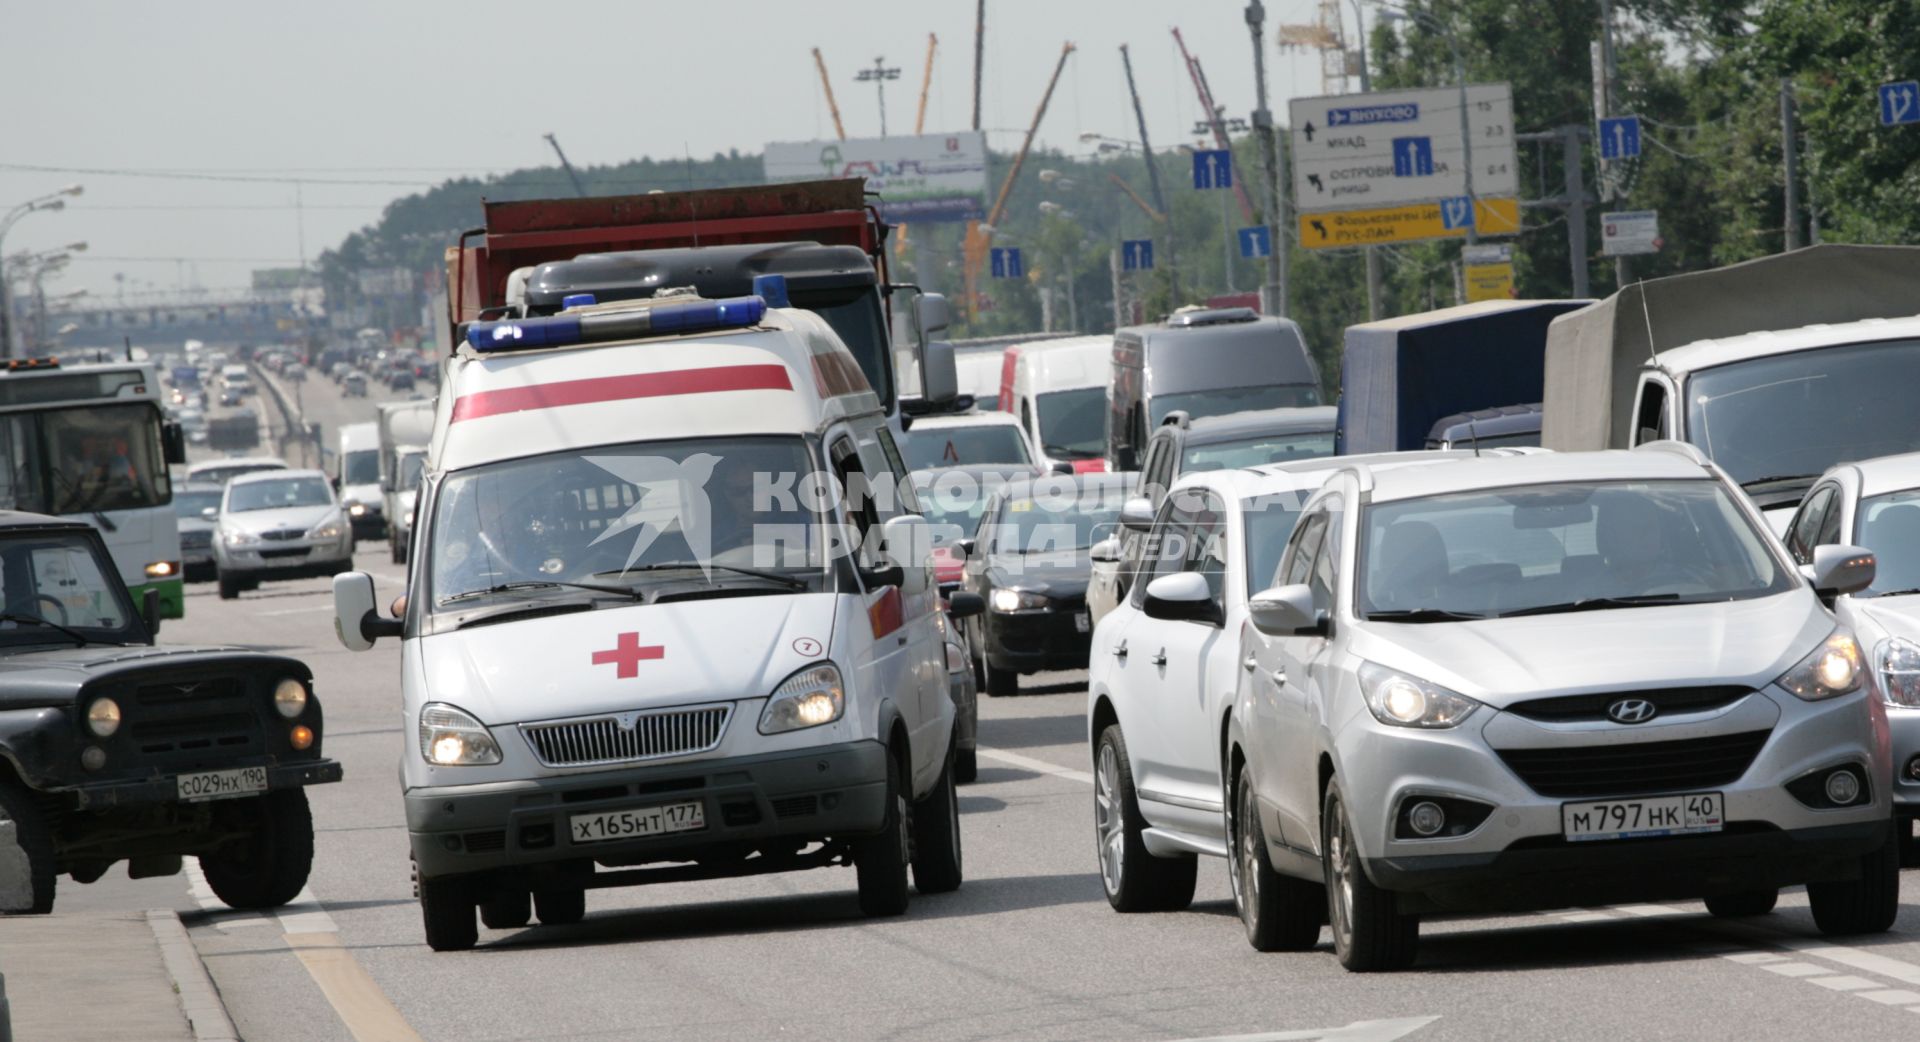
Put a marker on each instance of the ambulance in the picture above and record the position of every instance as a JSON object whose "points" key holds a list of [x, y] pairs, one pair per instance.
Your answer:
{"points": [[670, 616]]}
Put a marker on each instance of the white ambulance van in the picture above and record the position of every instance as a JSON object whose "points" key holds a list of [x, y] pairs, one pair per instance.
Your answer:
{"points": [[670, 616]]}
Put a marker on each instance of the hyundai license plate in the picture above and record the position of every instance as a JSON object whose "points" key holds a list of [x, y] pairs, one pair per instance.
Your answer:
{"points": [[640, 821], [1080, 622], [221, 785], [1642, 817]]}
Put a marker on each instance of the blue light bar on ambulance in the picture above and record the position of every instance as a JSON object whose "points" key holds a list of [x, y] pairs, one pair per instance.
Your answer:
{"points": [[690, 316]]}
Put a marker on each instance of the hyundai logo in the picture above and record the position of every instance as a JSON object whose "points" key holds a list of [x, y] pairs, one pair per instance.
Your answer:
{"points": [[1632, 711]]}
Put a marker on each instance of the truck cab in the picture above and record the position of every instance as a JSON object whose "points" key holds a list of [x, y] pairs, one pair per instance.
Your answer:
{"points": [[671, 615], [1775, 409]]}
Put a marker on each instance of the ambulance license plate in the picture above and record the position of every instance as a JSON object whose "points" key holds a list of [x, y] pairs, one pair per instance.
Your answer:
{"points": [[1643, 817], [639, 821], [221, 785], [1080, 622]]}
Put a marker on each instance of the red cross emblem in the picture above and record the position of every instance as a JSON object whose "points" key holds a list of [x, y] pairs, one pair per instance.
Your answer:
{"points": [[627, 654]]}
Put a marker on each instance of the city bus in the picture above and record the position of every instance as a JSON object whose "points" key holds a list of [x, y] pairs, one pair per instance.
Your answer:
{"points": [[90, 442]]}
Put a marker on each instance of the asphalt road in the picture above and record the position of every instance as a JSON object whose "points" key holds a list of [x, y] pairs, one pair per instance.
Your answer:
{"points": [[1026, 949]]}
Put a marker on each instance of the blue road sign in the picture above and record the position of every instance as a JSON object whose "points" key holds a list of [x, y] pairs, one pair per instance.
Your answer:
{"points": [[1006, 262], [1412, 156], [1255, 242], [1620, 137], [1404, 112], [1456, 212], [1213, 168], [1899, 103], [1136, 254]]}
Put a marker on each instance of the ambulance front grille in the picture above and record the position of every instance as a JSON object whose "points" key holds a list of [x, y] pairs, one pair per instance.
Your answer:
{"points": [[628, 737]]}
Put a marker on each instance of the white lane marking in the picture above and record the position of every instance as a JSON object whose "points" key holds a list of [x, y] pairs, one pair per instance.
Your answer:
{"points": [[1042, 766], [1754, 958], [1795, 969], [1853, 958], [1358, 1031], [1892, 996], [316, 609], [1844, 983]]}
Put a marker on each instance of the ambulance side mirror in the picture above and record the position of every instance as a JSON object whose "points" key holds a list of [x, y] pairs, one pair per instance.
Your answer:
{"points": [[356, 619], [906, 544]]}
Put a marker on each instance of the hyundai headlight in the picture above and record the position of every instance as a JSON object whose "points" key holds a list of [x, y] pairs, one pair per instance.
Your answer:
{"points": [[1404, 701], [809, 698], [1835, 668], [1899, 669], [451, 737], [1017, 600]]}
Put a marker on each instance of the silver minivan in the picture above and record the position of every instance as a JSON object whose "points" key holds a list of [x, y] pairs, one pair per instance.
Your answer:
{"points": [[1548, 681]]}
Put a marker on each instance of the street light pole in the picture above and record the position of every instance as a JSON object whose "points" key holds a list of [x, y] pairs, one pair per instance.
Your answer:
{"points": [[879, 75], [1274, 294], [50, 201]]}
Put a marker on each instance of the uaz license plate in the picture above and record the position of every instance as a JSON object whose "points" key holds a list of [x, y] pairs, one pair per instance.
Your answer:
{"points": [[221, 785], [1643, 816], [640, 821]]}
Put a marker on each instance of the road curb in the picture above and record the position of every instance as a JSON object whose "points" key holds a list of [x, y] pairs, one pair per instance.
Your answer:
{"points": [[199, 999]]}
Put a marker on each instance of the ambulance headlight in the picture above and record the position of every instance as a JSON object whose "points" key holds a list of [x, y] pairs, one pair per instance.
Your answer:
{"points": [[451, 737], [809, 698]]}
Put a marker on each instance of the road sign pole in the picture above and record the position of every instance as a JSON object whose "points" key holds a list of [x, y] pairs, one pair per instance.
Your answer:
{"points": [[1790, 154], [1273, 296], [1226, 239], [1576, 209]]}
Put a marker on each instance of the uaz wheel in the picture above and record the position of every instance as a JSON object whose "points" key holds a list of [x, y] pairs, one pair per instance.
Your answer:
{"points": [[266, 868]]}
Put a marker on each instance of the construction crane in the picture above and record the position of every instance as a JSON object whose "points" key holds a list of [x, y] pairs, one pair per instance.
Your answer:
{"points": [[979, 54], [827, 84], [1145, 207], [578, 188], [1327, 35], [979, 236], [1153, 171], [926, 85], [1215, 120]]}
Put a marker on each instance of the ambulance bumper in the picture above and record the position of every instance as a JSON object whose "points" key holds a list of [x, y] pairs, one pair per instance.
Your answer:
{"points": [[825, 793]]}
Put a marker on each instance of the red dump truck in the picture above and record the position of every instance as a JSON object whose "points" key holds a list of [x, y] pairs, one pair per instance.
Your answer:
{"points": [[823, 237]]}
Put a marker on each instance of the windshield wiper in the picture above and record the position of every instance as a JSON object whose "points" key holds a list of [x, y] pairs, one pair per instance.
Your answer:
{"points": [[35, 620], [1422, 615], [1069, 452], [1598, 604], [1895, 593], [785, 580], [539, 584], [1778, 479]]}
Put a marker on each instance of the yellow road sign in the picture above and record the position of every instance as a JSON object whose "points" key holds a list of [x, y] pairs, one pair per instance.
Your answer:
{"points": [[1489, 282], [1408, 223]]}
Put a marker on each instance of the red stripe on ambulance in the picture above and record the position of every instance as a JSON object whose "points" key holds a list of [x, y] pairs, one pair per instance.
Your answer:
{"points": [[621, 388]]}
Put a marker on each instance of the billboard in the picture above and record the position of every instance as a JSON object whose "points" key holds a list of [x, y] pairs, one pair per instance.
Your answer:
{"points": [[929, 177]]}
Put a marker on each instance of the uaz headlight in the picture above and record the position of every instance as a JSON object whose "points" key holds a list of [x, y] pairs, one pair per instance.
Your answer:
{"points": [[452, 737], [290, 697], [1835, 668], [809, 698], [1404, 701], [103, 717]]}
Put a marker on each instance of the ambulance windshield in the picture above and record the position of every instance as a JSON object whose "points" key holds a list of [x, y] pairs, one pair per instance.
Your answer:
{"points": [[627, 513]]}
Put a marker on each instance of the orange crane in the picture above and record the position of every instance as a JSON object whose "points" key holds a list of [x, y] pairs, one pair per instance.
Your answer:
{"points": [[926, 84], [1213, 119], [979, 236], [821, 64], [1145, 207]]}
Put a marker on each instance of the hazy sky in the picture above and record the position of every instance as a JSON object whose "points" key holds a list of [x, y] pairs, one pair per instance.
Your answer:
{"points": [[409, 92]]}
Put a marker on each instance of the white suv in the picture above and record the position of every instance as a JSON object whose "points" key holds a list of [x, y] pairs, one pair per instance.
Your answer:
{"points": [[1162, 674]]}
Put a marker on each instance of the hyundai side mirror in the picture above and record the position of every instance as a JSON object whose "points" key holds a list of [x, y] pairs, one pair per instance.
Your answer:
{"points": [[1182, 596], [1838, 570], [1284, 611], [356, 619]]}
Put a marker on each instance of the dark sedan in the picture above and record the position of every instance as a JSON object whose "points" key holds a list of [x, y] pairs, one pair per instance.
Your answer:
{"points": [[1029, 560]]}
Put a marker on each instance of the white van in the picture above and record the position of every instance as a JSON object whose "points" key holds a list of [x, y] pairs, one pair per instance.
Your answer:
{"points": [[1058, 391], [670, 615], [356, 475]]}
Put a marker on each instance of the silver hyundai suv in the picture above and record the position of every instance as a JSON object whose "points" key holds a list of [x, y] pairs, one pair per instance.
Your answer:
{"points": [[1550, 681]]}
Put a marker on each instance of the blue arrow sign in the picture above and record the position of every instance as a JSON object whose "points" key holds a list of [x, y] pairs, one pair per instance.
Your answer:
{"points": [[1456, 212], [1899, 103], [1412, 156], [1006, 262], [1620, 137], [1213, 168], [1136, 254], [1255, 242]]}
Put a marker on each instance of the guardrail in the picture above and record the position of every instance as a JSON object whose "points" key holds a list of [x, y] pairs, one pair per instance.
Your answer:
{"points": [[294, 432]]}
